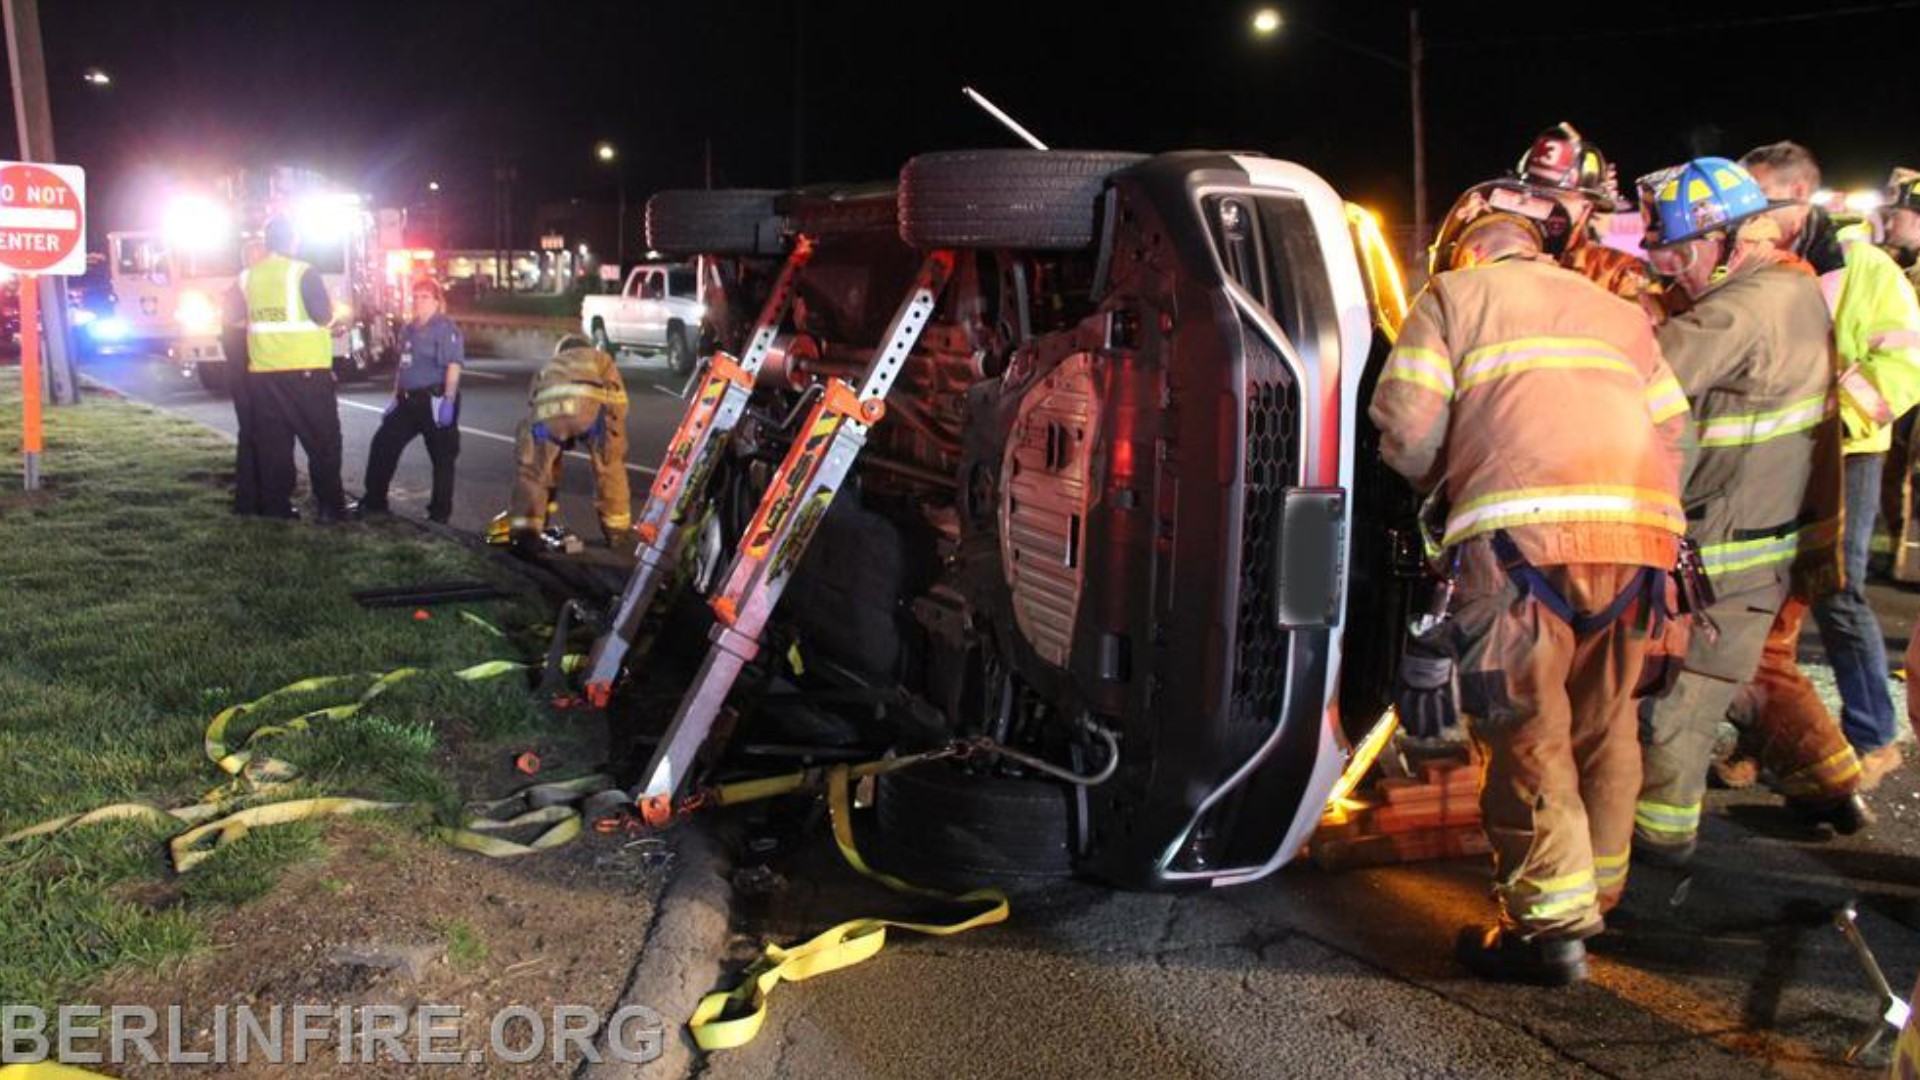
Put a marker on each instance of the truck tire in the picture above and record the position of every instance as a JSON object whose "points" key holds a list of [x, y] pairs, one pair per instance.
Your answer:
{"points": [[680, 353], [734, 222], [213, 377], [601, 341], [943, 825], [1033, 199], [850, 211]]}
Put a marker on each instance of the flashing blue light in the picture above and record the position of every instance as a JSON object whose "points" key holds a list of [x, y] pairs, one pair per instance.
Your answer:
{"points": [[81, 316], [111, 328]]}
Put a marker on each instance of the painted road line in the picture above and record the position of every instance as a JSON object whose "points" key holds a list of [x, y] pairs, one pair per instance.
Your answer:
{"points": [[496, 436]]}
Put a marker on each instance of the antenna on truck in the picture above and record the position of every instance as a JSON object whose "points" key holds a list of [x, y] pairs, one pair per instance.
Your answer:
{"points": [[1000, 114]]}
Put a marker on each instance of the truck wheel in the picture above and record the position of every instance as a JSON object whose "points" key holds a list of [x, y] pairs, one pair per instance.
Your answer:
{"points": [[353, 366], [601, 341], [712, 222], [1035, 199], [212, 376], [680, 358], [943, 825]]}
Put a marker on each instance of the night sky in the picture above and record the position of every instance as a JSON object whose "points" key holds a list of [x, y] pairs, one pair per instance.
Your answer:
{"points": [[389, 95]]}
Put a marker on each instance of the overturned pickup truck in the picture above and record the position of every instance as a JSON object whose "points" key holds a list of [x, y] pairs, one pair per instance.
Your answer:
{"points": [[1058, 452]]}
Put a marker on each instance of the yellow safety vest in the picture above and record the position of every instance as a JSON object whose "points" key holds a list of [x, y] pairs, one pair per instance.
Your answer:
{"points": [[280, 336]]}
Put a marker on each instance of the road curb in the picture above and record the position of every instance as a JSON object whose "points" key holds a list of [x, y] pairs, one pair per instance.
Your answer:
{"points": [[681, 959]]}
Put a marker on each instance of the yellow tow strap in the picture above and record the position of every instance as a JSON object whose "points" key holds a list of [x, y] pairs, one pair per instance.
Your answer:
{"points": [[563, 820], [256, 776], [731, 1018]]}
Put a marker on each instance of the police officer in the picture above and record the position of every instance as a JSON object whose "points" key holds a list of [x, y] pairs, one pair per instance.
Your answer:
{"points": [[577, 399], [426, 403], [290, 375]]}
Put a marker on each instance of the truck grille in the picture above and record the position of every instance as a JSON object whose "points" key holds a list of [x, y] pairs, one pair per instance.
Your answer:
{"points": [[1272, 465]]}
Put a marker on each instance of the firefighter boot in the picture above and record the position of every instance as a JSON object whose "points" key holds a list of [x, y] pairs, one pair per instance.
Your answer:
{"points": [[1500, 955], [1846, 815]]}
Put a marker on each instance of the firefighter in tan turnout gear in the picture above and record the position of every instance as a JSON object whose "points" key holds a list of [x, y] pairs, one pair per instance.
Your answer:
{"points": [[577, 399], [1540, 407], [1754, 354]]}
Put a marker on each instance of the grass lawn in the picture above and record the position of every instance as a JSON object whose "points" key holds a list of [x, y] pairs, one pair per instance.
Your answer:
{"points": [[134, 606]]}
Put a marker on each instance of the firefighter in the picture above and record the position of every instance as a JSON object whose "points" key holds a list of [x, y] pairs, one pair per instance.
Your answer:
{"points": [[1754, 356], [289, 383], [1900, 218], [1562, 163], [1539, 407], [1876, 330], [577, 399], [1900, 224], [425, 402]]}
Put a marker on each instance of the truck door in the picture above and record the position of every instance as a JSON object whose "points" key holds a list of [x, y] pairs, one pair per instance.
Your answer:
{"points": [[623, 316], [143, 289], [650, 311]]}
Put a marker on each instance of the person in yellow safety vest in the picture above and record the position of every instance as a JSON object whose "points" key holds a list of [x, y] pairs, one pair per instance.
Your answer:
{"points": [[1900, 238], [1754, 356], [1876, 329], [578, 398], [1540, 407], [1565, 165], [289, 384]]}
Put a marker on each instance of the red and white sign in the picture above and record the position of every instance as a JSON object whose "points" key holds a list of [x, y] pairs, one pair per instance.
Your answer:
{"points": [[43, 221]]}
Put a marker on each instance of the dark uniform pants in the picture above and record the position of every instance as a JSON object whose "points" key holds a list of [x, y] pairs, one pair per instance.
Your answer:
{"points": [[246, 450], [411, 418], [290, 406], [1552, 715], [600, 428]]}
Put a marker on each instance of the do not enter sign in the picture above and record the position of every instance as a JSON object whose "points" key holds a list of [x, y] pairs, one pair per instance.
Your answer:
{"points": [[43, 218]]}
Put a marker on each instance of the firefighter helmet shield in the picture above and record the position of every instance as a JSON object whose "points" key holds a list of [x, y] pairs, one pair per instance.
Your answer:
{"points": [[1706, 195], [1562, 159], [1903, 191], [1507, 198]]}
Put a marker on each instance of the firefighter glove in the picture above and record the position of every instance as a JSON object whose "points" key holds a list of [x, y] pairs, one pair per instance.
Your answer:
{"points": [[1423, 692], [444, 411]]}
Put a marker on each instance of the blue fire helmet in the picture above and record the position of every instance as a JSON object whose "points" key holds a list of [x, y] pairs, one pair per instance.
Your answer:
{"points": [[1706, 195]]}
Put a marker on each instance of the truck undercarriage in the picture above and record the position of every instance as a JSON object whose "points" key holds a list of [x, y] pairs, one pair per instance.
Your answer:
{"points": [[1111, 509]]}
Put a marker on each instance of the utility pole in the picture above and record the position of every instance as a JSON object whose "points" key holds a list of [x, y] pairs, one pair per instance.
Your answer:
{"points": [[799, 91], [35, 122], [1415, 61]]}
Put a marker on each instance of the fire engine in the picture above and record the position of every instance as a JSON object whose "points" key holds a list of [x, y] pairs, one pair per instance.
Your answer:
{"points": [[211, 232]]}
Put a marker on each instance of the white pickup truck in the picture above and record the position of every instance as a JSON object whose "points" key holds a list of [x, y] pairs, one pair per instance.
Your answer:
{"points": [[659, 308]]}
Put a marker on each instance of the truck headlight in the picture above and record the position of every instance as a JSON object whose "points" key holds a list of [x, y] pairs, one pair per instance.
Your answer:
{"points": [[197, 313]]}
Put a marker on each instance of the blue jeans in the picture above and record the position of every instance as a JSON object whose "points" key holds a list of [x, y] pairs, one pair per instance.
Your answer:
{"points": [[1848, 627]]}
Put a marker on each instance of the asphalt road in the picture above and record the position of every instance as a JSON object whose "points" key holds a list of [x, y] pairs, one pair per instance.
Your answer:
{"points": [[1311, 973], [493, 393]]}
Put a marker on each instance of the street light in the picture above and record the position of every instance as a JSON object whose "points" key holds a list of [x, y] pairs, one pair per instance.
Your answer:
{"points": [[433, 185], [608, 153], [1267, 22], [96, 77]]}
